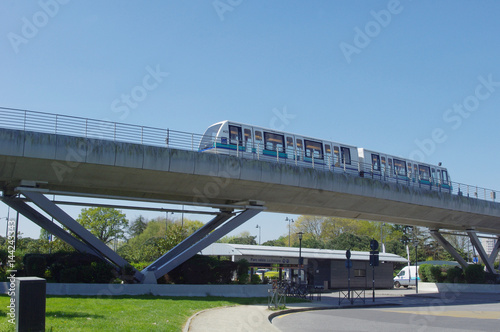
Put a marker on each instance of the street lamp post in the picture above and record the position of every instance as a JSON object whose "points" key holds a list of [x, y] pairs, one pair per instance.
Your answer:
{"points": [[300, 255], [415, 242], [290, 220], [259, 227]]}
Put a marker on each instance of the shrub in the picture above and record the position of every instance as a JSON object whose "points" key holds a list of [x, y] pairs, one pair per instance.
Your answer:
{"points": [[424, 272], [255, 279], [35, 265], [454, 275], [474, 274], [434, 273]]}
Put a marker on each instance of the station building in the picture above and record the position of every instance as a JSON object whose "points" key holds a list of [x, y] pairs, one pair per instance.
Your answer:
{"points": [[321, 267]]}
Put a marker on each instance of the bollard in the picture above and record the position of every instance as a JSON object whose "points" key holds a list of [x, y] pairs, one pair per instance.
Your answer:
{"points": [[30, 304]]}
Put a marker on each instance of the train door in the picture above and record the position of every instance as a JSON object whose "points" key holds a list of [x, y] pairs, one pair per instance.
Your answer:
{"points": [[328, 155], [235, 137], [375, 163], [300, 149], [390, 168], [290, 148], [424, 175], [248, 142], [434, 179], [345, 154], [383, 167], [336, 156], [259, 142], [445, 180]]}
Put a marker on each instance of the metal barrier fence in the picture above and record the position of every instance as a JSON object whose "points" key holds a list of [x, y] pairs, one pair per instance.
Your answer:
{"points": [[106, 130]]}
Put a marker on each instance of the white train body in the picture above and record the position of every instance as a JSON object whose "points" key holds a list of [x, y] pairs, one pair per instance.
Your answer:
{"points": [[383, 166], [269, 144], [249, 141]]}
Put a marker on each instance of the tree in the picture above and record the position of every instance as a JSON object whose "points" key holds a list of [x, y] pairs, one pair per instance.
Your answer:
{"points": [[242, 238], [138, 226], [105, 223]]}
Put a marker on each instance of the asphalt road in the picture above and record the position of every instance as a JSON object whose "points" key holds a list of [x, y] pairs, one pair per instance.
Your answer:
{"points": [[448, 312]]}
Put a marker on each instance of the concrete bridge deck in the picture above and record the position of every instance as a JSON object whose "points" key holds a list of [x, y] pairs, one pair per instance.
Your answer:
{"points": [[63, 163]]}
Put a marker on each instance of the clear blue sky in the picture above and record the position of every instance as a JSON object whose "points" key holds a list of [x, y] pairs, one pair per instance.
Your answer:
{"points": [[410, 78]]}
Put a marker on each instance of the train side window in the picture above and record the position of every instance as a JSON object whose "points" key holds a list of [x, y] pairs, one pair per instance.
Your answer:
{"points": [[376, 162], [336, 156], [399, 167], [424, 172], [313, 149], [274, 142], [346, 155], [327, 148], [258, 135], [235, 135], [384, 165]]}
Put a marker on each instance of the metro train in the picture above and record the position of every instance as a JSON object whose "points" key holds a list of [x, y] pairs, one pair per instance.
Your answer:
{"points": [[248, 141]]}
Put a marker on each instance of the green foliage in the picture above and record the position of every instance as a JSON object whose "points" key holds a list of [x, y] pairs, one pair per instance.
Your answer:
{"points": [[255, 279], [242, 238], [455, 275], [203, 270], [474, 274], [138, 226], [242, 271], [349, 241], [35, 265], [105, 223]]}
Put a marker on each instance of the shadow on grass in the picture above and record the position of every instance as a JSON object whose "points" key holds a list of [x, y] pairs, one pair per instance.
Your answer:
{"points": [[235, 300], [69, 315]]}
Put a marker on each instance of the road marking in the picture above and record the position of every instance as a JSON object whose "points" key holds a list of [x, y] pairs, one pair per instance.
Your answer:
{"points": [[451, 313]]}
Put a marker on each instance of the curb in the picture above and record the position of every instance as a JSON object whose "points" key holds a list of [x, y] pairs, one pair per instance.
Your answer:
{"points": [[186, 326], [303, 309]]}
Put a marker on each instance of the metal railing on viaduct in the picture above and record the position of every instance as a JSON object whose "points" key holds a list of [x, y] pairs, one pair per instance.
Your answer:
{"points": [[119, 132]]}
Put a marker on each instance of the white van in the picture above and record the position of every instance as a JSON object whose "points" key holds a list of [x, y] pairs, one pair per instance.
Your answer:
{"points": [[406, 277]]}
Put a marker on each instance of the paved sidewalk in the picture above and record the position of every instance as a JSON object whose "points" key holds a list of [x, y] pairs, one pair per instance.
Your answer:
{"points": [[256, 317]]}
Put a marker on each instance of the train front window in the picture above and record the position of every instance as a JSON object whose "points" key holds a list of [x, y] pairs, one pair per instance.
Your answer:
{"points": [[274, 142], [346, 155], [235, 135], [444, 174], [314, 149], [208, 139], [399, 167], [376, 162]]}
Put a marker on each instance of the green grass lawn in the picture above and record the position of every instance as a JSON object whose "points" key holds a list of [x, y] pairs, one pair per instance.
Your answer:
{"points": [[122, 313]]}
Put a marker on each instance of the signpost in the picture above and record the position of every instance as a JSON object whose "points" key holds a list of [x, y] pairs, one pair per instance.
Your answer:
{"points": [[348, 265], [374, 260]]}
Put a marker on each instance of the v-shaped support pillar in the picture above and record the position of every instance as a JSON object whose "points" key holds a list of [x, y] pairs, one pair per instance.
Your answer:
{"points": [[88, 238], [208, 234], [480, 250]]}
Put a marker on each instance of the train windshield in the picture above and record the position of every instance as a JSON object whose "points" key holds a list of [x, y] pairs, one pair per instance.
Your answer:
{"points": [[208, 139]]}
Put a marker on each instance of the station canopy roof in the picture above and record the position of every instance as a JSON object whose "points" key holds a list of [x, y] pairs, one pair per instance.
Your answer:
{"points": [[225, 249]]}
